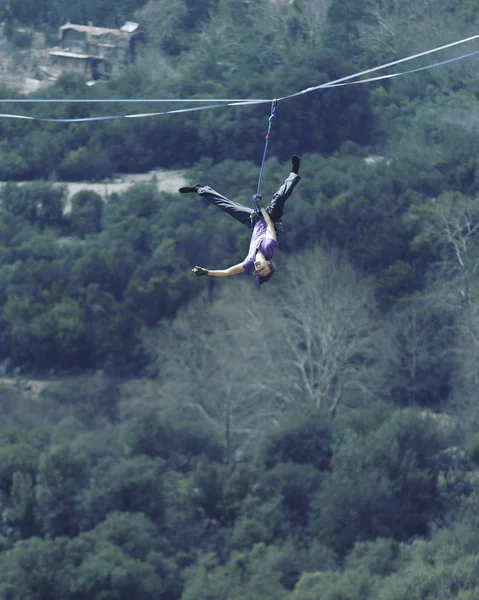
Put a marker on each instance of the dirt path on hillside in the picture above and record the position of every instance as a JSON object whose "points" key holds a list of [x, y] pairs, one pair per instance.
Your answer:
{"points": [[33, 385], [165, 181]]}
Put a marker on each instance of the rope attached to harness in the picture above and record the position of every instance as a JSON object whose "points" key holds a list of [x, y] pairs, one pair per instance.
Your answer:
{"points": [[257, 196]]}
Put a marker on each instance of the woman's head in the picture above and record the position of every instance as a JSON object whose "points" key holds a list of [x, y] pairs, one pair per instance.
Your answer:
{"points": [[265, 269]]}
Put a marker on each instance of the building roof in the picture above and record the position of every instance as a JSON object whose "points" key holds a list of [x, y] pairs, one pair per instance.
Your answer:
{"points": [[128, 27], [90, 29], [69, 54]]}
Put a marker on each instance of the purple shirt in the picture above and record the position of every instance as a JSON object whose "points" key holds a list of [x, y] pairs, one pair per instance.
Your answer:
{"points": [[259, 241]]}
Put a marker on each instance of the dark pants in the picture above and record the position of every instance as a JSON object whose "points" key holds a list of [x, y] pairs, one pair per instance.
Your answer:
{"points": [[244, 214]]}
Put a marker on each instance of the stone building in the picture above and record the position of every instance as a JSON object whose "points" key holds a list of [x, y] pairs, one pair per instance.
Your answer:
{"points": [[95, 52]]}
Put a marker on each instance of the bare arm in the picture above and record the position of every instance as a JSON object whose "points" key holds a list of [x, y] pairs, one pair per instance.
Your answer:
{"points": [[234, 270], [271, 231]]}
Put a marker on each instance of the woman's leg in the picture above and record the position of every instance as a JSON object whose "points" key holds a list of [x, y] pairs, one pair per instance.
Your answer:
{"points": [[276, 207], [238, 211]]}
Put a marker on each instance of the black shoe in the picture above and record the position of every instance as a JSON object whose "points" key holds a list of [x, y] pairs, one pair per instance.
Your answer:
{"points": [[189, 189], [295, 161]]}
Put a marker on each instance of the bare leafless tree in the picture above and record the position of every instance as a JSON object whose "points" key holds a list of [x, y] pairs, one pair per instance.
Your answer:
{"points": [[402, 28], [207, 360], [329, 336], [453, 231], [424, 335]]}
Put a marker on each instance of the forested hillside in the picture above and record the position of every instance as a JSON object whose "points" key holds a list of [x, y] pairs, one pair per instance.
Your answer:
{"points": [[204, 439]]}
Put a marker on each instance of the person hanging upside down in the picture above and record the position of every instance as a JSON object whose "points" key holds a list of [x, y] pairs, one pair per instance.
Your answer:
{"points": [[265, 227]]}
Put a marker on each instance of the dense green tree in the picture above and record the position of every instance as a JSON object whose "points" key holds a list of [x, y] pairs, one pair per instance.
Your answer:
{"points": [[85, 164], [358, 584], [134, 533], [386, 483], [21, 514], [300, 439], [40, 203], [17, 336], [17, 456], [30, 570], [296, 486], [246, 575], [129, 485], [59, 332], [62, 473], [182, 443], [104, 570], [86, 213], [19, 452], [345, 19], [90, 398]]}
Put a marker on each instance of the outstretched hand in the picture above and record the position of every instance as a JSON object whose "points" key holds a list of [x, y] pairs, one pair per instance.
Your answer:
{"points": [[199, 271]]}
